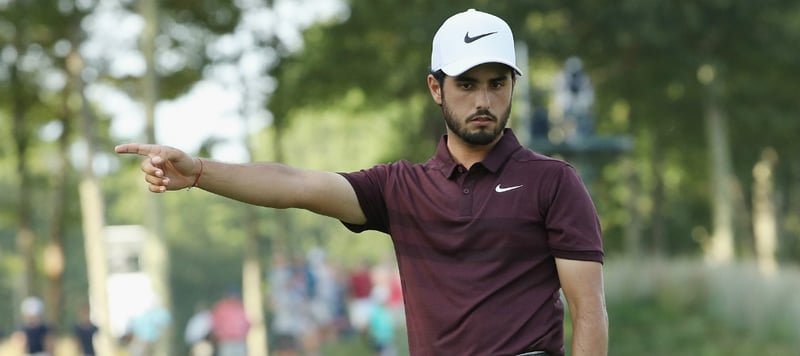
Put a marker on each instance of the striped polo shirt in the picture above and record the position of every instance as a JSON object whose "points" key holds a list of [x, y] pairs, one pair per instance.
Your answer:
{"points": [[476, 247]]}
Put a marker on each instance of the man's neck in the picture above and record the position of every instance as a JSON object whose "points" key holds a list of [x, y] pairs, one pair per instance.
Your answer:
{"points": [[467, 154]]}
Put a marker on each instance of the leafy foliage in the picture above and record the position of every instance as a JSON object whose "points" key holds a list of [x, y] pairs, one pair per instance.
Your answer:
{"points": [[355, 96]]}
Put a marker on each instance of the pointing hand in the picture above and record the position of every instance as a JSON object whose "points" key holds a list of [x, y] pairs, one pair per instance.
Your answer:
{"points": [[165, 168]]}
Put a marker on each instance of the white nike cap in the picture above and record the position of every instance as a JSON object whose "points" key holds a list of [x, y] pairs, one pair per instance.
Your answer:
{"points": [[470, 38]]}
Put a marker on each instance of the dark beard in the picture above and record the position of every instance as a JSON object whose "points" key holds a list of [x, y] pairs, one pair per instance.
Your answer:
{"points": [[479, 138]]}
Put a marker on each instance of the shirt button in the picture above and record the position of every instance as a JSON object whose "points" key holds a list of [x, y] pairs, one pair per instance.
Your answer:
{"points": [[466, 191]]}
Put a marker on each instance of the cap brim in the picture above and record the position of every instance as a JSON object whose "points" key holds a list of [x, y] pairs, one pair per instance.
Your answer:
{"points": [[459, 67]]}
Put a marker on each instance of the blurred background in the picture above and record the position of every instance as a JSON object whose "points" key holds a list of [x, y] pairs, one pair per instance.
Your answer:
{"points": [[679, 116]]}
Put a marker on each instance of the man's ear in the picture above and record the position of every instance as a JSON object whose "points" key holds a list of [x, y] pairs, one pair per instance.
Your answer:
{"points": [[435, 88]]}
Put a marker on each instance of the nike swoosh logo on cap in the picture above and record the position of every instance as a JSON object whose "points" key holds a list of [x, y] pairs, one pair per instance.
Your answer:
{"points": [[500, 189], [468, 39]]}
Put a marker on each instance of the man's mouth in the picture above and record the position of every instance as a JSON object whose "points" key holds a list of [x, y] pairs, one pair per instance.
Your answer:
{"points": [[482, 119]]}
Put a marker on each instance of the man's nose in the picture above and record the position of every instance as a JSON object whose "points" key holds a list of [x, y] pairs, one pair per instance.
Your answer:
{"points": [[482, 99]]}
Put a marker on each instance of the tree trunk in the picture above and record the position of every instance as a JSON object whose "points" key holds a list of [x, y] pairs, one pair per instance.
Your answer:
{"points": [[789, 205], [765, 226], [91, 202], [252, 291], [26, 236], [633, 228], [721, 246], [282, 227], [155, 259], [252, 296], [54, 252], [96, 260], [659, 242]]}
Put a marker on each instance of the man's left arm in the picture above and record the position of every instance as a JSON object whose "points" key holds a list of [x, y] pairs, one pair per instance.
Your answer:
{"points": [[582, 283]]}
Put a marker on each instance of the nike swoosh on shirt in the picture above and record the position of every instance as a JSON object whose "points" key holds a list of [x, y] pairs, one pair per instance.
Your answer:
{"points": [[500, 189], [468, 39]]}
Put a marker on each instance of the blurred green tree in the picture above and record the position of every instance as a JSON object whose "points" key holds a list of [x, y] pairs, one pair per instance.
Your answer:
{"points": [[647, 60]]}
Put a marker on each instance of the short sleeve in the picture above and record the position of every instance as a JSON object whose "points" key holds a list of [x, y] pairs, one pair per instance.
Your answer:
{"points": [[369, 187], [571, 221]]}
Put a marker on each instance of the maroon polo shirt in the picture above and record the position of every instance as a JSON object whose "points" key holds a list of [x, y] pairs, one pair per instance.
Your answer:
{"points": [[476, 247]]}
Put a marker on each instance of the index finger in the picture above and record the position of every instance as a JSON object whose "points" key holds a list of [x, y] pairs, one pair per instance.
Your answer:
{"points": [[137, 148]]}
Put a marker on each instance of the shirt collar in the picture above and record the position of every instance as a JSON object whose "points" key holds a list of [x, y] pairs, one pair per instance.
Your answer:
{"points": [[444, 162]]}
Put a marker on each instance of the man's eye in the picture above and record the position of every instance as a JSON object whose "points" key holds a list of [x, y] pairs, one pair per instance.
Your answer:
{"points": [[465, 85]]}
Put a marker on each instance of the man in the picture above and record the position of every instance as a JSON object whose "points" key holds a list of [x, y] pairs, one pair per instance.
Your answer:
{"points": [[148, 327], [486, 233], [360, 288], [84, 331], [229, 325], [197, 334], [36, 334]]}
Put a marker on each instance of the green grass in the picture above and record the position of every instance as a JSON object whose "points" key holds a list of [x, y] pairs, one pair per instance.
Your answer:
{"points": [[357, 346], [685, 307]]}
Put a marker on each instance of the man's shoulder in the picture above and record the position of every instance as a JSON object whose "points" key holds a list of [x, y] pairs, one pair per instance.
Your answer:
{"points": [[528, 156], [403, 166]]}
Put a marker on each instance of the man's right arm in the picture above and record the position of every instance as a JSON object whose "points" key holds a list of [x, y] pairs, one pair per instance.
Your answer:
{"points": [[280, 186], [266, 184]]}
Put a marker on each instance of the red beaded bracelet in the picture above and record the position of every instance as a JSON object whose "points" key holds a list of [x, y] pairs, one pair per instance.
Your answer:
{"points": [[199, 174]]}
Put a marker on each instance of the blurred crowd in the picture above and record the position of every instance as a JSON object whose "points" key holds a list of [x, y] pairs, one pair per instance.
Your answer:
{"points": [[220, 330], [37, 338], [311, 302], [314, 301]]}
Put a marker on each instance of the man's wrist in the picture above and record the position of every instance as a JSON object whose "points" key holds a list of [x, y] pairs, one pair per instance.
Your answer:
{"points": [[199, 173]]}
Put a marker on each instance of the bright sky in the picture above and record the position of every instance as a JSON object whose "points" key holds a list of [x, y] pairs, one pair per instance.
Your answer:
{"points": [[212, 107]]}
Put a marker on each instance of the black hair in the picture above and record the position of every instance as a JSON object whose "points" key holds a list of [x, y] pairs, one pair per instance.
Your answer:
{"points": [[439, 76]]}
